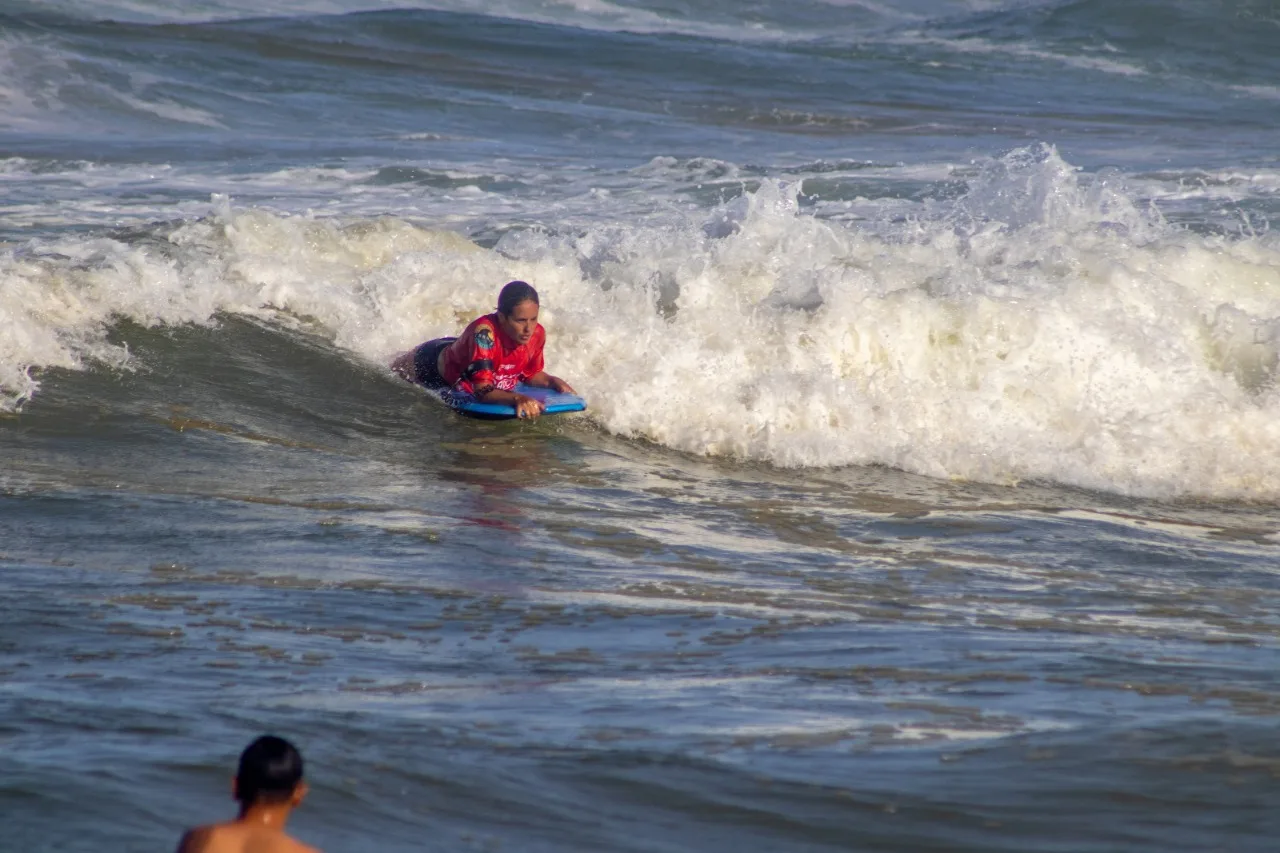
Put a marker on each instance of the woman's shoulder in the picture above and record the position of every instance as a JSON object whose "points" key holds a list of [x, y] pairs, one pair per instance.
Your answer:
{"points": [[490, 320], [483, 330]]}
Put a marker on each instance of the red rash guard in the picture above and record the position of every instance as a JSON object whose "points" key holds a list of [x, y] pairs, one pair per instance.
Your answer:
{"points": [[484, 355]]}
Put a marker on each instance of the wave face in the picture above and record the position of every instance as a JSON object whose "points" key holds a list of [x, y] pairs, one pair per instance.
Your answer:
{"points": [[1039, 326]]}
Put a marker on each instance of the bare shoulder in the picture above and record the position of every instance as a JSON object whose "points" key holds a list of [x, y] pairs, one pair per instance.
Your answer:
{"points": [[299, 847], [198, 840], [232, 838]]}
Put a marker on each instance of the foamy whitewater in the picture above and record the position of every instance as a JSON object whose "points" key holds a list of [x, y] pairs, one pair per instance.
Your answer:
{"points": [[927, 498], [1044, 325]]}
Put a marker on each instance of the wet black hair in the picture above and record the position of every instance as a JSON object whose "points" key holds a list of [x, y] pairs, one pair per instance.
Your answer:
{"points": [[512, 294], [270, 770]]}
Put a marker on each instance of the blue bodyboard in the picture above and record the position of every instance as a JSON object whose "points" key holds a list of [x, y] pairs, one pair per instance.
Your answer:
{"points": [[555, 403]]}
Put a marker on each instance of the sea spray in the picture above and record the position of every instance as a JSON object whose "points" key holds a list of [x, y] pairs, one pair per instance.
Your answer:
{"points": [[1042, 327], [1046, 327]]}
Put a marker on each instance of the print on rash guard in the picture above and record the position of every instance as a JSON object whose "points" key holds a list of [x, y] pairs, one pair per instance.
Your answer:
{"points": [[484, 357]]}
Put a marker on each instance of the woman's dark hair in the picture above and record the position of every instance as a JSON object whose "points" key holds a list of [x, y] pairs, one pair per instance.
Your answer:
{"points": [[512, 294], [270, 770]]}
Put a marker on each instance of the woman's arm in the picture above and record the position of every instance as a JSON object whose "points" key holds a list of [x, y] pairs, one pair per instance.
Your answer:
{"points": [[403, 365], [542, 379]]}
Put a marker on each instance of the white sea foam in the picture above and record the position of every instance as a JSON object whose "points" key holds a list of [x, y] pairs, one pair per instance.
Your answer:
{"points": [[1045, 328], [1269, 93], [986, 47], [47, 88], [31, 74], [1232, 185], [166, 109], [599, 15], [206, 10]]}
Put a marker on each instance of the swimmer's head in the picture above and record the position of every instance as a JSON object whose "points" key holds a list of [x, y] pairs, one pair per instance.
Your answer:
{"points": [[518, 310], [270, 773], [513, 293]]}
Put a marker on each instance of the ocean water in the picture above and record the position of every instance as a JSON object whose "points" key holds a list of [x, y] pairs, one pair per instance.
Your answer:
{"points": [[929, 494]]}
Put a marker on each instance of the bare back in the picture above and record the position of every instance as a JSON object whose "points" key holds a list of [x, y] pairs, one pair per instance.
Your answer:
{"points": [[236, 837]]}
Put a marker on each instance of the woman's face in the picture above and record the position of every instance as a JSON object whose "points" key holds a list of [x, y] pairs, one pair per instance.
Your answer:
{"points": [[521, 322]]}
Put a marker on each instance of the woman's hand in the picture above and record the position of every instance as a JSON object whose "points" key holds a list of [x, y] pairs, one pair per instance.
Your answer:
{"points": [[560, 386], [527, 407]]}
